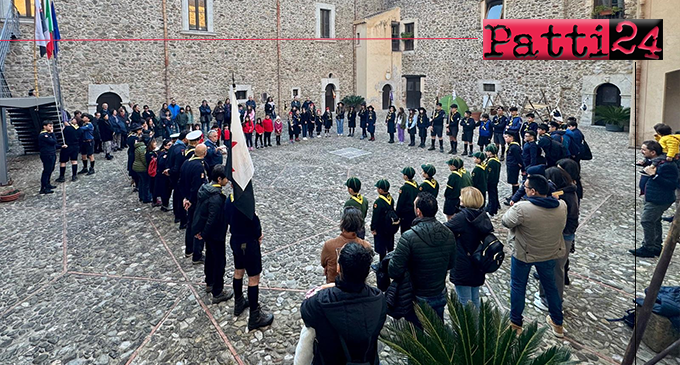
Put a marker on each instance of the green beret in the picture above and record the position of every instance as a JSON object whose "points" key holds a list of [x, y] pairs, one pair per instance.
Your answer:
{"points": [[383, 184], [429, 169], [455, 161], [479, 155], [354, 183], [409, 171], [492, 148]]}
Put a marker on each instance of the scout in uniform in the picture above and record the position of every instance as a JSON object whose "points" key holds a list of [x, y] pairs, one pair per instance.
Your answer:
{"points": [[389, 120], [423, 124], [411, 124], [493, 173], [529, 125], [485, 131], [514, 124], [370, 122], [407, 195], [357, 200], [351, 121], [429, 185], [458, 179], [479, 177], [162, 184], [468, 125], [363, 119], [193, 174], [531, 153], [87, 144], [47, 143], [437, 125], [327, 122], [175, 161], [514, 162], [452, 128], [384, 241], [132, 138], [500, 121], [70, 152]]}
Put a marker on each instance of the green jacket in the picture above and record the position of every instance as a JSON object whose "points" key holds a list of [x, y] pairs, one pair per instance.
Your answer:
{"points": [[182, 119], [493, 171], [380, 208], [140, 158], [479, 179], [427, 251], [360, 202], [407, 195], [430, 186], [457, 181]]}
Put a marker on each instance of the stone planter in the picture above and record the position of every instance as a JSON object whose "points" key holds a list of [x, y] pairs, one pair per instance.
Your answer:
{"points": [[613, 128], [10, 196]]}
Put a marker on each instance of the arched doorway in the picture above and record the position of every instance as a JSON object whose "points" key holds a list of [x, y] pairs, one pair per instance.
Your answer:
{"points": [[386, 97], [607, 94], [330, 97], [112, 99]]}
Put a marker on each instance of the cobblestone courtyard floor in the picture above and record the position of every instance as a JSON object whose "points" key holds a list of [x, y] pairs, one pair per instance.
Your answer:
{"points": [[89, 275]]}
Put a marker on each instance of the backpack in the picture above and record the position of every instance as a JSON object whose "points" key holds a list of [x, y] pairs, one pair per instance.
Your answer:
{"points": [[392, 221], [585, 154], [152, 166], [556, 151], [489, 256]]}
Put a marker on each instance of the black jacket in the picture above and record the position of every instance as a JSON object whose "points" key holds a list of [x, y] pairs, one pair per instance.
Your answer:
{"points": [[105, 130], [407, 195], [470, 226], [47, 143], [514, 156], [192, 176], [355, 313], [380, 209], [240, 227], [568, 194], [71, 136], [210, 219], [427, 251]]}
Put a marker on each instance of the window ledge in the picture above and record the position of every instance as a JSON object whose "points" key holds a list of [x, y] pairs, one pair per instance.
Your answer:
{"points": [[324, 40], [198, 33], [413, 51]]}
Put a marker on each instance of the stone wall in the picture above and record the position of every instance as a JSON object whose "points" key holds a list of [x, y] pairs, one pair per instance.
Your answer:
{"points": [[458, 64], [200, 69]]}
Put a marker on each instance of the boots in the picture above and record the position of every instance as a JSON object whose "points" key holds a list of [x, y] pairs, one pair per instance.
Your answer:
{"points": [[451, 152], [432, 147], [91, 171], [455, 148], [240, 305], [259, 318]]}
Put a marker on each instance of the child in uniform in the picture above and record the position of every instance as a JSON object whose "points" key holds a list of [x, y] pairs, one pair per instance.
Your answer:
{"points": [[493, 173], [429, 184], [458, 179]]}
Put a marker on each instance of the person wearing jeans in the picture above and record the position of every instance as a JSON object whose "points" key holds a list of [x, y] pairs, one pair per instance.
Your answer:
{"points": [[536, 226], [340, 117], [657, 184]]}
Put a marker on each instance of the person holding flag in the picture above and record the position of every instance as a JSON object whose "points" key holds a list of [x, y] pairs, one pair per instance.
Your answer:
{"points": [[245, 227]]}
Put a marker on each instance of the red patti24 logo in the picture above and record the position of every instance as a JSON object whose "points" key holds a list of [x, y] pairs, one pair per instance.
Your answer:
{"points": [[573, 39]]}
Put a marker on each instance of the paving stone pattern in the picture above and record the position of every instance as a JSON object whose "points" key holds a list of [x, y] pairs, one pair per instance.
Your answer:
{"points": [[91, 276]]}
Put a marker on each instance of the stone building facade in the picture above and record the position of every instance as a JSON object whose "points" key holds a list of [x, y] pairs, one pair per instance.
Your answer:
{"points": [[198, 64]]}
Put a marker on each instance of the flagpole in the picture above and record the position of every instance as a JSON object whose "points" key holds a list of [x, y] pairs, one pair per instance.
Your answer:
{"points": [[35, 59]]}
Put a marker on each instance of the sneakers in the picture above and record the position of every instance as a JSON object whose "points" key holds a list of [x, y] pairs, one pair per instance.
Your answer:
{"points": [[645, 252], [240, 305], [187, 255], [259, 318], [304, 138], [516, 328], [558, 331], [431, 148], [222, 297]]}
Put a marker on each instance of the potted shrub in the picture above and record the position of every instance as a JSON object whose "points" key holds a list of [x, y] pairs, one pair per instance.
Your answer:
{"points": [[615, 118], [352, 100], [406, 35], [474, 337], [602, 10]]}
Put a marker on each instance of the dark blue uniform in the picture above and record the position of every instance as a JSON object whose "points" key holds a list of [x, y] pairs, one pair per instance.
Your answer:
{"points": [[193, 175], [162, 187], [47, 143], [422, 124], [363, 121], [528, 126], [530, 154], [244, 242], [499, 124], [370, 123], [175, 161], [71, 139], [514, 163], [514, 127], [438, 123]]}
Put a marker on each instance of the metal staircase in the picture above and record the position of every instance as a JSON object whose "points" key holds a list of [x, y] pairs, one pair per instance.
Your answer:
{"points": [[27, 120]]}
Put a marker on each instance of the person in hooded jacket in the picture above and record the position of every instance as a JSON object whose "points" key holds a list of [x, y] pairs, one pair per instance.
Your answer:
{"points": [[210, 224], [566, 191], [139, 166], [470, 226], [427, 252], [345, 317]]}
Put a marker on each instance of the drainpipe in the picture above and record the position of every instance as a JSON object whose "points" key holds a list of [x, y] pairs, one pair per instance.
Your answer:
{"points": [[278, 56], [354, 52], [166, 51]]}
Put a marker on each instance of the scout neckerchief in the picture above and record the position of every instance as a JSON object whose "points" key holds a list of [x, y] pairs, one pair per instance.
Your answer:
{"points": [[231, 198], [459, 172], [358, 198], [483, 167], [43, 131], [219, 187], [389, 116], [511, 143], [189, 150], [387, 198], [204, 175], [483, 125], [412, 183], [432, 183]]}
